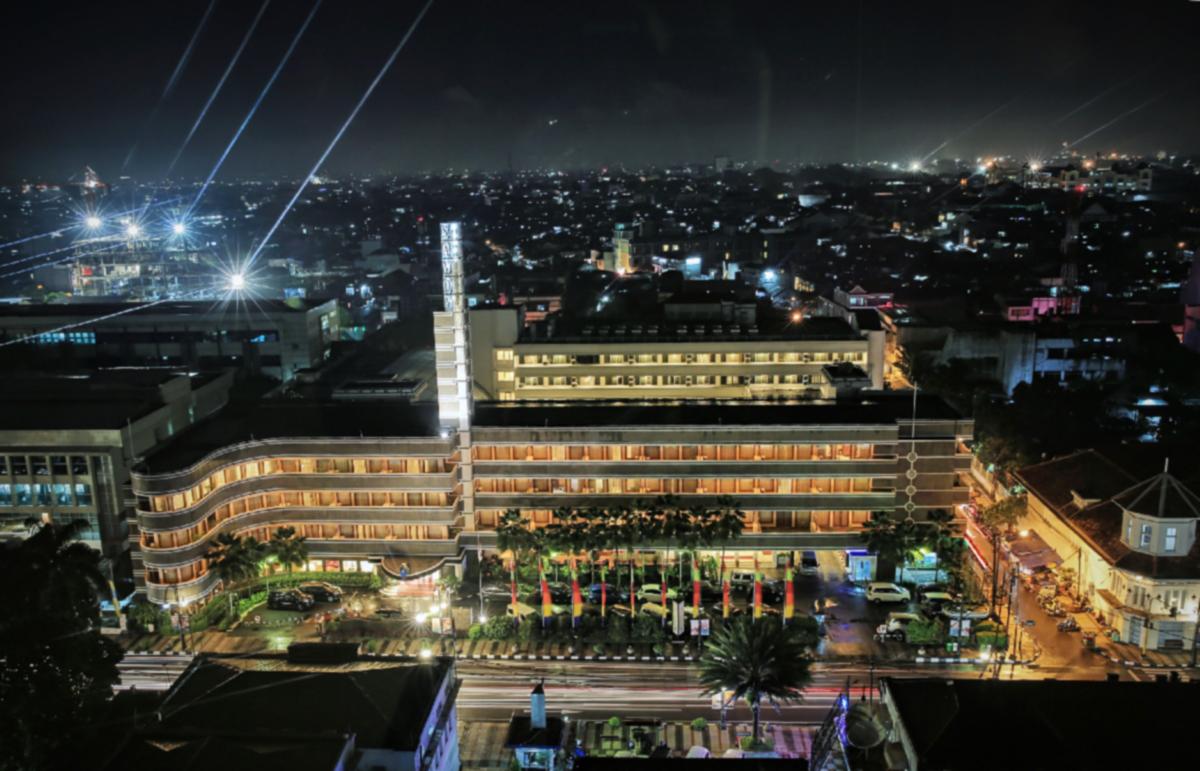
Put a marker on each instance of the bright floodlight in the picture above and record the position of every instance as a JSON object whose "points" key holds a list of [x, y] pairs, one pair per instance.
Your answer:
{"points": [[133, 230], [92, 222], [237, 282], [914, 166], [179, 228]]}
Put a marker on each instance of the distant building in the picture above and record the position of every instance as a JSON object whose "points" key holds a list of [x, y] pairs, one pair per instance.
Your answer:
{"points": [[938, 724], [67, 444], [858, 298], [695, 350], [319, 707], [1132, 542], [273, 337]]}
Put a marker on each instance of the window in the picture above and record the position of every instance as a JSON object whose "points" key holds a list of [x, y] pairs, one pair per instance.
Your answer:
{"points": [[5, 495], [43, 494], [1147, 532], [58, 464], [40, 466], [23, 495], [1129, 532], [62, 494], [19, 465], [79, 465], [504, 354], [505, 376], [1170, 539], [3, 464]]}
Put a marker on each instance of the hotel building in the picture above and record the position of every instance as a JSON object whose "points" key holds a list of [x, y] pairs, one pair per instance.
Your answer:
{"points": [[409, 488]]}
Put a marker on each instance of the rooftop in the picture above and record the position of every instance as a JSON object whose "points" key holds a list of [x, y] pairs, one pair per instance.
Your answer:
{"points": [[215, 712], [599, 330], [290, 419], [176, 308], [105, 399], [1061, 724]]}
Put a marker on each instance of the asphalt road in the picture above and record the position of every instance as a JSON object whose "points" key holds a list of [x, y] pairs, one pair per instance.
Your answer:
{"points": [[493, 690]]}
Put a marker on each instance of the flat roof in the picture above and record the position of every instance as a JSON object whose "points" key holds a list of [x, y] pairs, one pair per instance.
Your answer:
{"points": [[106, 399], [606, 331], [875, 408], [176, 308], [286, 419]]}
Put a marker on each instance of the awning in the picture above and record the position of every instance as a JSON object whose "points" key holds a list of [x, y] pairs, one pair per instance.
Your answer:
{"points": [[1032, 552]]}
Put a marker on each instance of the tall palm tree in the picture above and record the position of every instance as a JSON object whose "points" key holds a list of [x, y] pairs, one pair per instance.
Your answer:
{"points": [[757, 662], [288, 548], [235, 560], [70, 569], [940, 531], [892, 541]]}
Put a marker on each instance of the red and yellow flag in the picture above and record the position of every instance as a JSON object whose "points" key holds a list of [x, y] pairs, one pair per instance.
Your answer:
{"points": [[725, 603], [632, 593], [663, 594], [789, 595], [758, 595], [695, 588], [512, 577], [547, 605], [603, 589], [576, 596]]}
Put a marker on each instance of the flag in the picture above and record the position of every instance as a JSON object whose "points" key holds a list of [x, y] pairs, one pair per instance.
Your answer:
{"points": [[665, 604], [603, 589], [512, 574], [695, 588], [757, 595], [632, 593], [547, 610], [725, 604], [789, 595], [576, 597]]}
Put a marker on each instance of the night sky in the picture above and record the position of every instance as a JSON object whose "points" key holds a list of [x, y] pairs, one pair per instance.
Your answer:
{"points": [[590, 84]]}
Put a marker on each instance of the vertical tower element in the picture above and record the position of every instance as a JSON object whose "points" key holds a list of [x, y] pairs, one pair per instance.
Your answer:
{"points": [[450, 342]]}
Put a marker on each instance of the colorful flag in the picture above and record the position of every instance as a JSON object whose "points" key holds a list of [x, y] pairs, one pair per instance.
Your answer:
{"points": [[725, 603], [547, 609], [663, 594], [695, 587], [512, 574], [632, 593], [757, 595], [603, 589], [789, 595], [576, 596]]}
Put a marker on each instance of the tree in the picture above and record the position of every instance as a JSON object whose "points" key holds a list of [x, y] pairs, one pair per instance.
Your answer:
{"points": [[288, 549], [1005, 514], [235, 560], [892, 541], [58, 668], [941, 531], [757, 661]]}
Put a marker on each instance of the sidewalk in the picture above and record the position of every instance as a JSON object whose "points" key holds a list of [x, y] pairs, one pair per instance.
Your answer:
{"points": [[1128, 655]]}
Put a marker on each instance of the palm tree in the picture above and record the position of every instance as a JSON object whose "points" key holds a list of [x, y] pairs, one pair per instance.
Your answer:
{"points": [[288, 548], [235, 560], [940, 531], [70, 569], [757, 662], [890, 540]]}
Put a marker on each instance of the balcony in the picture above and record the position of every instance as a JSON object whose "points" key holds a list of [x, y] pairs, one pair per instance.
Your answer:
{"points": [[782, 502], [304, 483], [676, 469], [357, 515], [272, 449]]}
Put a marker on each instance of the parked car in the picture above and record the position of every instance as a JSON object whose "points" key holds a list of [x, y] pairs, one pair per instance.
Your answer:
{"points": [[809, 566], [559, 592], [289, 599], [927, 589], [966, 612], [321, 591], [773, 590], [896, 626], [497, 591], [614, 594], [933, 602], [521, 610], [653, 593], [741, 579], [885, 591]]}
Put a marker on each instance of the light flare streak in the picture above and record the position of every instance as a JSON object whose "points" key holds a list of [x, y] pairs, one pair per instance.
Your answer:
{"points": [[387, 65], [1120, 117], [253, 109]]}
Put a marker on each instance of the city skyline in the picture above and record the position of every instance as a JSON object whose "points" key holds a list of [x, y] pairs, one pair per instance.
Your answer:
{"points": [[624, 85]]}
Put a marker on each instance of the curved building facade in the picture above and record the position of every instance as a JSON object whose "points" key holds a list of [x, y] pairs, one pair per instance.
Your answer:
{"points": [[379, 483]]}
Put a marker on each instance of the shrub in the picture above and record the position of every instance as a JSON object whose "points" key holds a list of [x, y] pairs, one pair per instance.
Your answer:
{"points": [[498, 628], [527, 629], [748, 743], [699, 724], [614, 722], [598, 649], [659, 649], [474, 632], [618, 632], [647, 629], [925, 632], [246, 604]]}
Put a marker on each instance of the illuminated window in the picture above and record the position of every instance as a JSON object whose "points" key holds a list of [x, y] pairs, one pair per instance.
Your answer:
{"points": [[504, 354], [1169, 540], [1147, 531], [506, 376]]}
